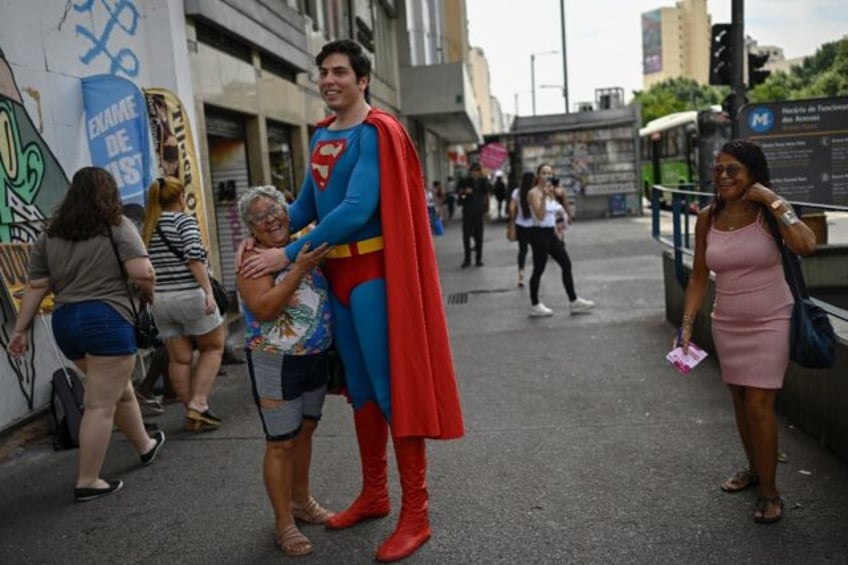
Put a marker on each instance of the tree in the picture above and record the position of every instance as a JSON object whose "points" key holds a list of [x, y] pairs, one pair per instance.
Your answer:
{"points": [[676, 95], [822, 74]]}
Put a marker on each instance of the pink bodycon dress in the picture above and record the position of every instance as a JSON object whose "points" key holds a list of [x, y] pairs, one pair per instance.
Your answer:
{"points": [[753, 305]]}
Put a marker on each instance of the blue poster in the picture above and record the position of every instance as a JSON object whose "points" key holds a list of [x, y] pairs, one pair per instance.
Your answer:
{"points": [[118, 133]]}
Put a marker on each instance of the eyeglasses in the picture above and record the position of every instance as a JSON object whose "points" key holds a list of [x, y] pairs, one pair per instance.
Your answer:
{"points": [[273, 212], [732, 170]]}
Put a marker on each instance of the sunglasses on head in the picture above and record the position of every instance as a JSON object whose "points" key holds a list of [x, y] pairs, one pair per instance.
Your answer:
{"points": [[732, 170]]}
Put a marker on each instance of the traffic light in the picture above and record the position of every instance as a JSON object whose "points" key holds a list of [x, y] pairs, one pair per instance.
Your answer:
{"points": [[756, 73], [720, 54]]}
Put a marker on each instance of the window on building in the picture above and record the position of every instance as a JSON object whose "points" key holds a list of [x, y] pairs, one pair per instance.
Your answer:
{"points": [[222, 40], [280, 157], [277, 67], [385, 54]]}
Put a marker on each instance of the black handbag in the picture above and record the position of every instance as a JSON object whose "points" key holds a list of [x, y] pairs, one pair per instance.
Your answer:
{"points": [[812, 341], [222, 297], [146, 331], [219, 291]]}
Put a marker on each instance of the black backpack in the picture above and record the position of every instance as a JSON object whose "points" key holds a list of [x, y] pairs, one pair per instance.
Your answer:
{"points": [[66, 406]]}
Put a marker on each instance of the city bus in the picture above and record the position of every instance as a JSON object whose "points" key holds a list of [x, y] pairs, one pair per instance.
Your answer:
{"points": [[681, 147]]}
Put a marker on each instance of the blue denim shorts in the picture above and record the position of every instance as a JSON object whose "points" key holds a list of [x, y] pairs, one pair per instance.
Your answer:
{"points": [[93, 328]]}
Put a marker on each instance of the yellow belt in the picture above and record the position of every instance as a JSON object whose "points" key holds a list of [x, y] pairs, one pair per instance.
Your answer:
{"points": [[356, 248]]}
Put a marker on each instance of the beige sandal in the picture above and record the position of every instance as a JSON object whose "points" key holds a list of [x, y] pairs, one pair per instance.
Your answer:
{"points": [[740, 481], [293, 542], [311, 512]]}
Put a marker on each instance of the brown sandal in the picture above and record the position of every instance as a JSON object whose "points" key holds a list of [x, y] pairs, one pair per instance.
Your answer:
{"points": [[740, 481], [311, 512], [762, 506], [293, 542]]}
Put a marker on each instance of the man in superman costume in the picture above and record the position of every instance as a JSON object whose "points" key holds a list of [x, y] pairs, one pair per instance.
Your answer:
{"points": [[365, 189]]}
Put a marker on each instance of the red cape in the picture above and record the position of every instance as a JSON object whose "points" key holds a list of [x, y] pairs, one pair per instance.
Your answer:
{"points": [[425, 399]]}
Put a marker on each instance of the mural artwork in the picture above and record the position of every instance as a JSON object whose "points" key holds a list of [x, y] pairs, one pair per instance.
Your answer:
{"points": [[32, 184], [124, 15]]}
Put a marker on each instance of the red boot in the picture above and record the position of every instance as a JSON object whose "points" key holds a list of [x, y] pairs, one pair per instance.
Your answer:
{"points": [[372, 433], [413, 527]]}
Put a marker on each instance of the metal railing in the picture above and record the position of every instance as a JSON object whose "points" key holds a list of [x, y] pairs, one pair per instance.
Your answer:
{"points": [[683, 200]]}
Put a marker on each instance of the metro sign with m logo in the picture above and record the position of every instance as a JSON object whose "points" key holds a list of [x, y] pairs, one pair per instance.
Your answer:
{"points": [[761, 119]]}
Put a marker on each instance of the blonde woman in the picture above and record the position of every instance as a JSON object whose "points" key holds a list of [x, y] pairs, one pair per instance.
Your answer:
{"points": [[185, 307]]}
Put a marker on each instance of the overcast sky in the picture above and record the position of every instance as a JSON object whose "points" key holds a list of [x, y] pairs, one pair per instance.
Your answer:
{"points": [[604, 41]]}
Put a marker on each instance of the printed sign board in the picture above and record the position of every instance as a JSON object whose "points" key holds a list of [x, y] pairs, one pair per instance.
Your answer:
{"points": [[806, 144]]}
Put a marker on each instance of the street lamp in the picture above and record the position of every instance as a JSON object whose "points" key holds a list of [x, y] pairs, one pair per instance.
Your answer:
{"points": [[533, 74], [515, 98]]}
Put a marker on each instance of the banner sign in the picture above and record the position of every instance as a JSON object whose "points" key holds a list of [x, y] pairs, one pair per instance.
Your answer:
{"points": [[493, 155], [117, 131], [806, 144], [173, 145]]}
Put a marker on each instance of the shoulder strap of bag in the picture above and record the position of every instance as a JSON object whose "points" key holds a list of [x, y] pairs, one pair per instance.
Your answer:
{"points": [[124, 274], [791, 263], [168, 243]]}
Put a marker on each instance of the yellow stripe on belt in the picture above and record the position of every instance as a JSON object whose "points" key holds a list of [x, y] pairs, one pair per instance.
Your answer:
{"points": [[345, 250]]}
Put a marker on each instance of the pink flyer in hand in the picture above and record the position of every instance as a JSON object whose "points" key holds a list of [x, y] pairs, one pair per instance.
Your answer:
{"points": [[686, 362]]}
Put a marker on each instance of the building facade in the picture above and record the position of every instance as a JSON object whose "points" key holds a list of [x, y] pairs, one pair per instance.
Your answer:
{"points": [[676, 43]]}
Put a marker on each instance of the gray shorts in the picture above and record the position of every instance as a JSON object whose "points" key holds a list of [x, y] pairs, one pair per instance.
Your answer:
{"points": [[300, 381], [182, 313]]}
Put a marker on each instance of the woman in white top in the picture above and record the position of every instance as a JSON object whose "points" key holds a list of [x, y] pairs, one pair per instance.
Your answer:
{"points": [[521, 221], [541, 205]]}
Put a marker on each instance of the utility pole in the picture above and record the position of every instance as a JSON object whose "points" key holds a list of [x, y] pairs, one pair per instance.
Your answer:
{"points": [[737, 76], [564, 56]]}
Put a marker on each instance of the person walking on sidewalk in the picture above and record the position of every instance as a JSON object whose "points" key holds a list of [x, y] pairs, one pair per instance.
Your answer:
{"points": [[288, 330], [521, 222], [500, 193], [474, 193], [185, 307], [76, 257], [365, 189], [753, 305], [540, 204]]}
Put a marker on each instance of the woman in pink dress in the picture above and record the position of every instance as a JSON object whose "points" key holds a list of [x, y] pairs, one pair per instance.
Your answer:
{"points": [[753, 305]]}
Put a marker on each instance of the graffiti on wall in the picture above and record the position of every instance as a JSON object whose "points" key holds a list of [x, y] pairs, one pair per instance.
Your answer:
{"points": [[121, 14], [31, 181], [14, 263]]}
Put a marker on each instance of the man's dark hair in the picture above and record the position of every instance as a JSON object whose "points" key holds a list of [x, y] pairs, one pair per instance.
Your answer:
{"points": [[359, 62]]}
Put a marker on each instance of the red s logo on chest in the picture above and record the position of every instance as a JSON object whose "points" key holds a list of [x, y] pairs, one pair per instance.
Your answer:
{"points": [[324, 157]]}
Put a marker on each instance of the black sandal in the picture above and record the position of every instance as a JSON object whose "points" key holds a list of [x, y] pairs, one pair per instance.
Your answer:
{"points": [[762, 506]]}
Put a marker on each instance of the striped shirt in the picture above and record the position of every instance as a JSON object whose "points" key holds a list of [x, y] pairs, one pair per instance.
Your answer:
{"points": [[172, 272]]}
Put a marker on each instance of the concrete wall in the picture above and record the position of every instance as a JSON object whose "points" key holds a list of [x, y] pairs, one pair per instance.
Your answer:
{"points": [[815, 401]]}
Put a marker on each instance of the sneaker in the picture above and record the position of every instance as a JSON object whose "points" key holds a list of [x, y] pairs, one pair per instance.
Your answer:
{"points": [[85, 494], [581, 306], [147, 458], [540, 311], [149, 405]]}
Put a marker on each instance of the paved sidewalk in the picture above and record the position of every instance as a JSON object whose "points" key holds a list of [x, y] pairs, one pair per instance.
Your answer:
{"points": [[583, 446]]}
